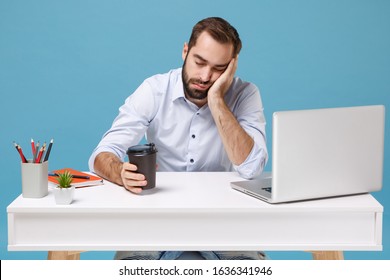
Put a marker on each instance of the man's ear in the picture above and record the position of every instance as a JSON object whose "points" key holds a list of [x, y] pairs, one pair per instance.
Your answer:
{"points": [[185, 51]]}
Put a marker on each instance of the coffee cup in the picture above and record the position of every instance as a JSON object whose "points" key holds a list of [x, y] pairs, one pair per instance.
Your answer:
{"points": [[144, 157]]}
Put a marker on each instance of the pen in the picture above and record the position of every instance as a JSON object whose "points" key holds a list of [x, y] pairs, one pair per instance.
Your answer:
{"points": [[19, 149], [33, 146], [48, 150], [36, 152], [38, 160], [74, 176]]}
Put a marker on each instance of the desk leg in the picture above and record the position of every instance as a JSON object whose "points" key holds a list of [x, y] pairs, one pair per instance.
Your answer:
{"points": [[328, 255], [63, 255]]}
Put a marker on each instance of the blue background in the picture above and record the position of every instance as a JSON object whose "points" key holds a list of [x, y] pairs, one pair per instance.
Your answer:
{"points": [[66, 67]]}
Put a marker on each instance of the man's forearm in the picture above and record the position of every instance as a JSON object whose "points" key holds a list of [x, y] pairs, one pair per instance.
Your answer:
{"points": [[237, 142], [109, 166]]}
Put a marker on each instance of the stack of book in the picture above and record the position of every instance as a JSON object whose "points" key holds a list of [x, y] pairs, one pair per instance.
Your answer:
{"points": [[80, 179]]}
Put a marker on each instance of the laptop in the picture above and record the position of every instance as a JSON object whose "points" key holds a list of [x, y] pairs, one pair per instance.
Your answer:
{"points": [[322, 153]]}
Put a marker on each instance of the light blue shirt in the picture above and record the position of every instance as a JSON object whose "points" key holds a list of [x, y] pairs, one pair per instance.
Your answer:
{"points": [[186, 136]]}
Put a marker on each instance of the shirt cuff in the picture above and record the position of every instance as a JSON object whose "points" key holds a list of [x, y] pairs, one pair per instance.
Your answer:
{"points": [[254, 164]]}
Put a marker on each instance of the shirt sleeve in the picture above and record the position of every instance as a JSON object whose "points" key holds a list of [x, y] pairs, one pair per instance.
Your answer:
{"points": [[130, 125], [250, 115]]}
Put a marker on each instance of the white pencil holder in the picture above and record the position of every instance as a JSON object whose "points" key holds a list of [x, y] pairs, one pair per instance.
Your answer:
{"points": [[34, 179]]}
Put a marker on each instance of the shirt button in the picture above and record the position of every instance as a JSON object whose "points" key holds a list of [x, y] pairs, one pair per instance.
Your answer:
{"points": [[193, 136], [192, 160]]}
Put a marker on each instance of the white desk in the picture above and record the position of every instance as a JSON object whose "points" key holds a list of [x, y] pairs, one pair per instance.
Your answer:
{"points": [[192, 211]]}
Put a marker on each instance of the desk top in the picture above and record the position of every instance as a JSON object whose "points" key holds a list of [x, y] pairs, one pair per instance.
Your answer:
{"points": [[192, 211], [187, 192]]}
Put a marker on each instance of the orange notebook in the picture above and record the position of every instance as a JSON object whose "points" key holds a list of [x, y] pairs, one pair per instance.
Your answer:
{"points": [[89, 180]]}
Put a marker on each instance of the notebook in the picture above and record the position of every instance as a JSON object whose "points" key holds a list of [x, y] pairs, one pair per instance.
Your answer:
{"points": [[80, 179], [322, 153]]}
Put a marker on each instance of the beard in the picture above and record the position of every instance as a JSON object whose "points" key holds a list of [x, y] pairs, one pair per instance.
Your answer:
{"points": [[193, 93]]}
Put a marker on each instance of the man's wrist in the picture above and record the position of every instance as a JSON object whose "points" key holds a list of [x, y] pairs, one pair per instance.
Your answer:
{"points": [[118, 171], [109, 166], [215, 101]]}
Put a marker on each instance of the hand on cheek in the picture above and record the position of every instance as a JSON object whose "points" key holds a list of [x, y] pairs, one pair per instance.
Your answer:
{"points": [[222, 84]]}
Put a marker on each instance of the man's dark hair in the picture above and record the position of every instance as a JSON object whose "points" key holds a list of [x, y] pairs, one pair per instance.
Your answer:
{"points": [[220, 30]]}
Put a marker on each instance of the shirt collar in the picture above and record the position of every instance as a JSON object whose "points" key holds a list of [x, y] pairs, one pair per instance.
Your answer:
{"points": [[178, 91]]}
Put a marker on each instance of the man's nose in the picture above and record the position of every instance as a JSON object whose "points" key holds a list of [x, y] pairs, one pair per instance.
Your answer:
{"points": [[206, 74]]}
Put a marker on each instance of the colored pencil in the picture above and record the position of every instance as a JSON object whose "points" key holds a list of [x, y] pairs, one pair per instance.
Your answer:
{"points": [[48, 150]]}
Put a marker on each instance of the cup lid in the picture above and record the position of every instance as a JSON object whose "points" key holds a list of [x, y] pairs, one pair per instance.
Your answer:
{"points": [[142, 149]]}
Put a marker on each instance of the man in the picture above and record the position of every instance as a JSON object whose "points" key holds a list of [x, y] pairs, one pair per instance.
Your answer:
{"points": [[199, 117]]}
